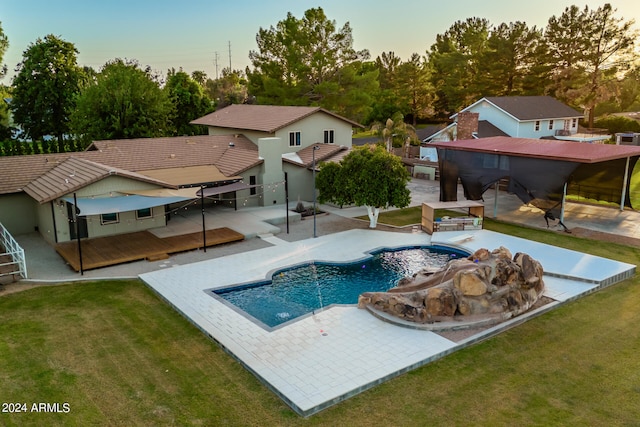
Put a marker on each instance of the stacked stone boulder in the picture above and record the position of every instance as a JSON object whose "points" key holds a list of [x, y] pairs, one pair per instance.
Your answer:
{"points": [[486, 283]]}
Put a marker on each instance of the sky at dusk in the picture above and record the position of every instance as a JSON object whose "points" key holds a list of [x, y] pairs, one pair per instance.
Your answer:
{"points": [[164, 34]]}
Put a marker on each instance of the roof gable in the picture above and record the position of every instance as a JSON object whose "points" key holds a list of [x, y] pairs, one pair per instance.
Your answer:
{"points": [[262, 118], [73, 174]]}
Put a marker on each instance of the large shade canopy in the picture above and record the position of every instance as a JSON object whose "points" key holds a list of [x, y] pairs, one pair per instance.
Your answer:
{"points": [[104, 205], [538, 170]]}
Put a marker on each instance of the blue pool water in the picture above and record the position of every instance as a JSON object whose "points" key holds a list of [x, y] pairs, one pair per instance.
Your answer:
{"points": [[294, 292]]}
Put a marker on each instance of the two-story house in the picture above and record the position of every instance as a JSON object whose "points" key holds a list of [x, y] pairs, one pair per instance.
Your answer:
{"points": [[285, 137], [536, 117]]}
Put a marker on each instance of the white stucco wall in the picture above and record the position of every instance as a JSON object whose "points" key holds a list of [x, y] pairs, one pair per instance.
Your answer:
{"points": [[312, 131]]}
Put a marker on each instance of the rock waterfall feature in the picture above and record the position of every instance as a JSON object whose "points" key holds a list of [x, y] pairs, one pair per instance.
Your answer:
{"points": [[484, 287]]}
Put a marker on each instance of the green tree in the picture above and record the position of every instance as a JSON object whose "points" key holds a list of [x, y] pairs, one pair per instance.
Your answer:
{"points": [[45, 88], [367, 176], [124, 101], [351, 94], [200, 77], [415, 89], [616, 124], [394, 132], [387, 99], [231, 88], [511, 60], [6, 129], [586, 50], [455, 62], [189, 102], [4, 45], [301, 61]]}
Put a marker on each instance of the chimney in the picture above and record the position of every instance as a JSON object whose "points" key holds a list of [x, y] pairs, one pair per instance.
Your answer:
{"points": [[467, 125]]}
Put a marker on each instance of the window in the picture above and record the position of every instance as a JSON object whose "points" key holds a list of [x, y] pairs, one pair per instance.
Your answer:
{"points": [[252, 181], [109, 218], [144, 213], [550, 124], [328, 136], [294, 138], [574, 123], [537, 126]]}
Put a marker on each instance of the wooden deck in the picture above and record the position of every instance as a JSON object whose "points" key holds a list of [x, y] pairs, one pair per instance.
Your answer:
{"points": [[105, 251]]}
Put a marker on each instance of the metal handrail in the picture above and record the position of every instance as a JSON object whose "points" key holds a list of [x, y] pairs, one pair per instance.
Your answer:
{"points": [[14, 251]]}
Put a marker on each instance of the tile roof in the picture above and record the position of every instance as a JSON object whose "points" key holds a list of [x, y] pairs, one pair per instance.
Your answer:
{"points": [[17, 171], [73, 174], [532, 107], [324, 152], [263, 118], [159, 153], [134, 156], [572, 151]]}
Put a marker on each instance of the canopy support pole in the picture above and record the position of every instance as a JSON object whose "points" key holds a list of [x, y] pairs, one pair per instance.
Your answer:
{"points": [[564, 200], [495, 199], [624, 185], [286, 197], [204, 228], [75, 217]]}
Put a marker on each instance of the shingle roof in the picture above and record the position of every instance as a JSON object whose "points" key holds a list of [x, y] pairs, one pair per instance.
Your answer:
{"points": [[134, 156], [486, 130], [263, 118], [572, 151], [532, 107]]}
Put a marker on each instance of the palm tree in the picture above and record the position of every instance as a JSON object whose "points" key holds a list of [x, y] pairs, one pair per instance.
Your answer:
{"points": [[395, 129]]}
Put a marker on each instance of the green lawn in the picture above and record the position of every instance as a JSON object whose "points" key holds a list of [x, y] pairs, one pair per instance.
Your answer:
{"points": [[119, 355]]}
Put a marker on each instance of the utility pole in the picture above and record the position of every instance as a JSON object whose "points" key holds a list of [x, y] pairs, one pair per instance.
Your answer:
{"points": [[215, 61], [229, 56]]}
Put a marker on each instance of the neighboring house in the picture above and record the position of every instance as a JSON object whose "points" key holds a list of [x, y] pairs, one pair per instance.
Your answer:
{"points": [[122, 186], [537, 117]]}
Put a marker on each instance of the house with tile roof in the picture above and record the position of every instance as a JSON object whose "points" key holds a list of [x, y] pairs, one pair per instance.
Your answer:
{"points": [[124, 186], [285, 136], [535, 117]]}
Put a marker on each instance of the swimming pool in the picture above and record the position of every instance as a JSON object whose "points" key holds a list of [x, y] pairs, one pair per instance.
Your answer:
{"points": [[297, 291]]}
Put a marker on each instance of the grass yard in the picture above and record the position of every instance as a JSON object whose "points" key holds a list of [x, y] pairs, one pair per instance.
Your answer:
{"points": [[118, 355]]}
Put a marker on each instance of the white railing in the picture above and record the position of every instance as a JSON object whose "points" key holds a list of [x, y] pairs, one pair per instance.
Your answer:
{"points": [[14, 251]]}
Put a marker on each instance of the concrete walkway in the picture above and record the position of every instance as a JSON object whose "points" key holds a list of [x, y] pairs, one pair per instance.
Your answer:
{"points": [[44, 264]]}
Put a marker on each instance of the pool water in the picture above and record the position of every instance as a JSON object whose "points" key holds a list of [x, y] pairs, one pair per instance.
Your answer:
{"points": [[297, 291]]}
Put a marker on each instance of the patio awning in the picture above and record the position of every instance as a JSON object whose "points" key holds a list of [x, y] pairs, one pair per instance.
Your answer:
{"points": [[104, 205]]}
